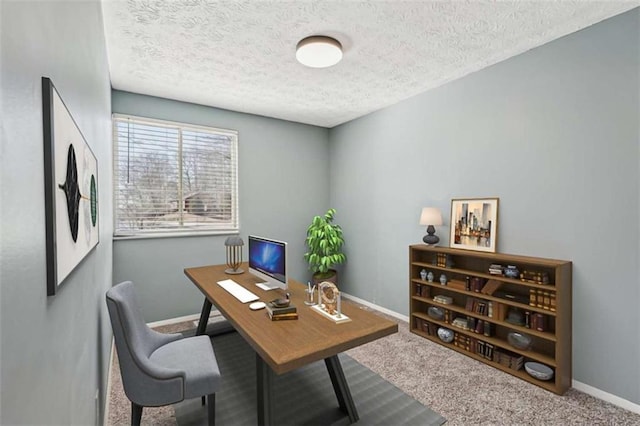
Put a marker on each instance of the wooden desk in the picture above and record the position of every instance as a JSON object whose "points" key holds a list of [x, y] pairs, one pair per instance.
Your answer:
{"points": [[282, 346]]}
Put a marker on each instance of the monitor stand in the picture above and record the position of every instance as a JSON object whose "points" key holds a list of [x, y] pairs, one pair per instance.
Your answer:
{"points": [[267, 287]]}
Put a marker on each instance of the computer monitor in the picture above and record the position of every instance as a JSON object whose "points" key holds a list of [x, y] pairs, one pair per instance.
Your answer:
{"points": [[268, 261]]}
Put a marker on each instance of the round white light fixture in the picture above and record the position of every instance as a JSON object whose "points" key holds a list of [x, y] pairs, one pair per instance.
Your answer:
{"points": [[319, 51]]}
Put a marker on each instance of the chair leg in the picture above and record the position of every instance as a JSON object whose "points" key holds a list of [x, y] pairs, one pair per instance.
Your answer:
{"points": [[211, 408], [136, 414], [203, 400]]}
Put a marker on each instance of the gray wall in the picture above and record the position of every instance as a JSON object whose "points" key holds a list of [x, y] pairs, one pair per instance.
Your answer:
{"points": [[54, 350], [554, 134], [283, 182]]}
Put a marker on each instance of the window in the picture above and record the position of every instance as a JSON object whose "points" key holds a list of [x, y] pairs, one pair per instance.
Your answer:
{"points": [[173, 178]]}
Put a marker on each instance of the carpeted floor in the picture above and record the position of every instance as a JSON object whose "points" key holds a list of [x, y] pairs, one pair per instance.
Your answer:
{"points": [[304, 396], [462, 390]]}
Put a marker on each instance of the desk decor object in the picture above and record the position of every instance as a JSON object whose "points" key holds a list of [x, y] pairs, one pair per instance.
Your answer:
{"points": [[308, 294], [329, 303], [234, 255], [71, 190], [474, 224]]}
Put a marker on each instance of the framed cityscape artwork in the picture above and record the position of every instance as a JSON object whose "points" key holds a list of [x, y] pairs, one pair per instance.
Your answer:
{"points": [[71, 190], [474, 224]]}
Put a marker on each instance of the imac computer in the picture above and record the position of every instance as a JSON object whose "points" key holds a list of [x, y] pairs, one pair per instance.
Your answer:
{"points": [[268, 261]]}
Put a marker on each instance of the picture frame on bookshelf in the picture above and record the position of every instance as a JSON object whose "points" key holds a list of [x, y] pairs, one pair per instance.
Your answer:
{"points": [[474, 224]]}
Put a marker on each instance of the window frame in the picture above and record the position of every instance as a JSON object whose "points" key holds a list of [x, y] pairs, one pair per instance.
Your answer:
{"points": [[181, 126]]}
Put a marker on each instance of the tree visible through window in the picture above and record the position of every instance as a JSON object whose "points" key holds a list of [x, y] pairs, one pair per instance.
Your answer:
{"points": [[173, 177]]}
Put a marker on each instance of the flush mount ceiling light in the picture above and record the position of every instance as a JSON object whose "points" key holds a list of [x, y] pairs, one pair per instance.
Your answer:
{"points": [[319, 51]]}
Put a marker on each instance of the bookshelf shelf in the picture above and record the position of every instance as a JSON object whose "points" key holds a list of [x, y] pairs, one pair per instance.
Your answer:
{"points": [[540, 310], [487, 297]]}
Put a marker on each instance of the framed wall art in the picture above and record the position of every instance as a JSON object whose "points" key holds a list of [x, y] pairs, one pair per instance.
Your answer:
{"points": [[474, 224], [71, 190]]}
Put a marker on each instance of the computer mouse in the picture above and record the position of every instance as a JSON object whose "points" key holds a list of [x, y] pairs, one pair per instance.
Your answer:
{"points": [[256, 305]]}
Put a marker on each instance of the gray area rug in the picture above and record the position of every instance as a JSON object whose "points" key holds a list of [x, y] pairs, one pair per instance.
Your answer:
{"points": [[304, 396]]}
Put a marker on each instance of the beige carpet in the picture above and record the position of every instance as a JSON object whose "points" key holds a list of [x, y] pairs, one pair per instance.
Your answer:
{"points": [[463, 390]]}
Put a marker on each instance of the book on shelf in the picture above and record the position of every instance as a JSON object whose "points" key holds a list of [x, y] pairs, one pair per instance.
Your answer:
{"points": [[490, 287], [537, 277], [496, 269], [488, 329], [477, 284], [471, 322], [539, 322], [457, 284], [424, 291], [488, 351]]}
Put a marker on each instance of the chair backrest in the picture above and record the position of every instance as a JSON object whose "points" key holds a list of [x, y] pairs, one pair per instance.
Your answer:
{"points": [[144, 383]]}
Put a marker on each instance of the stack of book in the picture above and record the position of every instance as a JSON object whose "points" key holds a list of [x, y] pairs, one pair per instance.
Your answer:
{"points": [[287, 313], [496, 269]]}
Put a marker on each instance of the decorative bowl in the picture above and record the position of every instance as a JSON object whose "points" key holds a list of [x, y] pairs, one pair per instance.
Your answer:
{"points": [[445, 334], [514, 316], [539, 371], [436, 313], [280, 303], [519, 340]]}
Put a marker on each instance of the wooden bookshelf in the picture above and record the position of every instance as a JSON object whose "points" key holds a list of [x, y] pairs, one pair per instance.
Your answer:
{"points": [[540, 309]]}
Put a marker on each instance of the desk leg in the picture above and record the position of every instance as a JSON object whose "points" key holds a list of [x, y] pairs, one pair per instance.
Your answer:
{"points": [[204, 317], [264, 376], [341, 388]]}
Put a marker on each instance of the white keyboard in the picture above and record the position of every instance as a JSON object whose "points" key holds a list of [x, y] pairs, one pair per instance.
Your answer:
{"points": [[237, 291]]}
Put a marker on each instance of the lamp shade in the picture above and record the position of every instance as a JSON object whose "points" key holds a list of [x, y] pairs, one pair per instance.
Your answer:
{"points": [[431, 216], [319, 51], [233, 241]]}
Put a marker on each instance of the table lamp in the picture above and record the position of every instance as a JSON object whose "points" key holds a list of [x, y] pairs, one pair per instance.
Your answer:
{"points": [[431, 216], [234, 255]]}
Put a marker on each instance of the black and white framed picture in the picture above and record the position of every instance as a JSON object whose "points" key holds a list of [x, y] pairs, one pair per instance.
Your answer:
{"points": [[71, 190]]}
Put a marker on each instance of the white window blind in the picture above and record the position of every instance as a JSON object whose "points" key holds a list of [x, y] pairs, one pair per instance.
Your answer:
{"points": [[173, 178]]}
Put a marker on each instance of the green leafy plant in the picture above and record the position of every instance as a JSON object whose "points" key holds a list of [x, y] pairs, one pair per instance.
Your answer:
{"points": [[325, 241]]}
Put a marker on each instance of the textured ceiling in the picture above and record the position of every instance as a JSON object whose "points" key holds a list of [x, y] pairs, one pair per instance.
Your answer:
{"points": [[240, 55]]}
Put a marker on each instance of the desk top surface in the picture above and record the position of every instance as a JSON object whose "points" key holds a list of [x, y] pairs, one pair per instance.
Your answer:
{"points": [[289, 344]]}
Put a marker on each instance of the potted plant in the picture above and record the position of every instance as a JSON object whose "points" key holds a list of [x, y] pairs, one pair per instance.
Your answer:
{"points": [[324, 240]]}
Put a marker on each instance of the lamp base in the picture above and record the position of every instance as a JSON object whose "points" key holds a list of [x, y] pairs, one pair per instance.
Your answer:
{"points": [[431, 239], [232, 271]]}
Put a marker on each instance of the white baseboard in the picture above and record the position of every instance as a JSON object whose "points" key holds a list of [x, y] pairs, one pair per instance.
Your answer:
{"points": [[105, 419], [376, 307], [582, 387], [170, 321], [606, 396]]}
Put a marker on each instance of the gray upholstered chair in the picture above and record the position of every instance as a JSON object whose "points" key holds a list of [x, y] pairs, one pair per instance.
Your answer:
{"points": [[159, 369]]}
